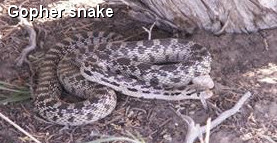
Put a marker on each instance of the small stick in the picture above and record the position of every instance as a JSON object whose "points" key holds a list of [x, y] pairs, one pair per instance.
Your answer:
{"points": [[204, 102], [267, 138], [32, 40], [208, 130], [226, 114], [266, 46], [19, 128], [149, 31], [224, 26], [194, 130]]}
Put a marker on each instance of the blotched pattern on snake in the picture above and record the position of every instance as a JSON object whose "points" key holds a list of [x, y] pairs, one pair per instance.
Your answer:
{"points": [[93, 65]]}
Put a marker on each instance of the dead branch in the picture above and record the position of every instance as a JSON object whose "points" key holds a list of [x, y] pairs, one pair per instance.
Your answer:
{"points": [[194, 130], [32, 40], [149, 31], [19, 128], [216, 16]]}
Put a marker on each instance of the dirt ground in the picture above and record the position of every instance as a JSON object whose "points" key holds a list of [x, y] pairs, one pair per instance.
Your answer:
{"points": [[241, 63]]}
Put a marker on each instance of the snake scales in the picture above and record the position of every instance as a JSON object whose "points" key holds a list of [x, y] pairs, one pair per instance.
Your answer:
{"points": [[93, 65]]}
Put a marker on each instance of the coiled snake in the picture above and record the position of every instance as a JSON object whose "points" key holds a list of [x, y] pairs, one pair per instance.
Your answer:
{"points": [[93, 65]]}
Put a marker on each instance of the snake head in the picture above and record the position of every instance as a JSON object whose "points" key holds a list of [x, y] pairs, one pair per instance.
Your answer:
{"points": [[204, 82]]}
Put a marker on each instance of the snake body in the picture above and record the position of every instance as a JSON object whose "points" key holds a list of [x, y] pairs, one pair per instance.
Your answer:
{"points": [[93, 65]]}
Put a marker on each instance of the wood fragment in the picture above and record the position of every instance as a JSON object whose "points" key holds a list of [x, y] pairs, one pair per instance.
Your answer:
{"points": [[216, 16], [194, 130]]}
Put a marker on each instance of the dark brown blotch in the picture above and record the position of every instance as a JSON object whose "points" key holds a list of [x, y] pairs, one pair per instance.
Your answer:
{"points": [[154, 81], [147, 92], [171, 67], [124, 61], [88, 72], [166, 93], [90, 116], [115, 46], [141, 49], [131, 44], [75, 38], [132, 89], [115, 84], [95, 34], [55, 118], [175, 80], [71, 119], [84, 35], [144, 66], [181, 88], [65, 42], [63, 106], [103, 56], [107, 107]]}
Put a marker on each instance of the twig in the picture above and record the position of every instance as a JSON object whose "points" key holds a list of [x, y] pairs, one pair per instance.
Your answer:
{"points": [[109, 139], [194, 130], [32, 40], [268, 138], [208, 130], [32, 45], [266, 46], [19, 128], [149, 31], [204, 102], [226, 114], [225, 25]]}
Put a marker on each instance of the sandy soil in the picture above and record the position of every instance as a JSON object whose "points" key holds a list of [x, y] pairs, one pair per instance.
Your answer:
{"points": [[241, 62]]}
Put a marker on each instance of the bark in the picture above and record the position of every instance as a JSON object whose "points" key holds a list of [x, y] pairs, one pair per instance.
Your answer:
{"points": [[217, 16]]}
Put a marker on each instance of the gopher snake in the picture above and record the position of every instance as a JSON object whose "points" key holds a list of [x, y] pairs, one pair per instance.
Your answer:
{"points": [[92, 65]]}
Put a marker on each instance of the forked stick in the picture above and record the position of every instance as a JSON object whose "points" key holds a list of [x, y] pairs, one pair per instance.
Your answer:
{"points": [[194, 130], [149, 31], [32, 40]]}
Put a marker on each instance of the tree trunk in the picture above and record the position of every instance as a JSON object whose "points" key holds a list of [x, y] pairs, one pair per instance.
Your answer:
{"points": [[217, 16]]}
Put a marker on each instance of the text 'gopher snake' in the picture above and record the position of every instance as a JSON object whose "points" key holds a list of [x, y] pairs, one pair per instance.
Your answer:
{"points": [[93, 65]]}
